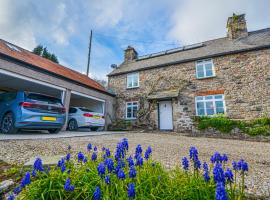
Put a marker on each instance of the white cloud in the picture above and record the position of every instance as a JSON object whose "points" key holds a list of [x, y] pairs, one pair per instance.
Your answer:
{"points": [[13, 29], [196, 21]]}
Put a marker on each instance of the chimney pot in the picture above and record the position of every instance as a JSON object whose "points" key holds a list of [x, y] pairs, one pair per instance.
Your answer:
{"points": [[130, 54], [236, 27]]}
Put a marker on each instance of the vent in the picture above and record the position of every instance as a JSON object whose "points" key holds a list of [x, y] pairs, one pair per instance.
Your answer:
{"points": [[12, 47], [184, 48]]}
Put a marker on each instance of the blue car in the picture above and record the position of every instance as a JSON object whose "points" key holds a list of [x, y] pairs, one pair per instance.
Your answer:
{"points": [[27, 110]]}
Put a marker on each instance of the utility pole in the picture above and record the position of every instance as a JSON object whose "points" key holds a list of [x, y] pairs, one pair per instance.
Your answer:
{"points": [[89, 53]]}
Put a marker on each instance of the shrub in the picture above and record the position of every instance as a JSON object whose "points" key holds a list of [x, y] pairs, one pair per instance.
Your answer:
{"points": [[138, 177], [223, 124]]}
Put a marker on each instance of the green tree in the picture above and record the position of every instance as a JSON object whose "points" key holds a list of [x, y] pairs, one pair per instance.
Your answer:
{"points": [[38, 50], [54, 58], [46, 53], [42, 51]]}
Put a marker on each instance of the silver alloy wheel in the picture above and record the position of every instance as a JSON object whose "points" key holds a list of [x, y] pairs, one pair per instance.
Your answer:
{"points": [[72, 125]]}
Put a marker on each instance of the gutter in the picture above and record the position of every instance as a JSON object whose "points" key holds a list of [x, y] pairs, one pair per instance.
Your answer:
{"points": [[35, 67], [191, 59]]}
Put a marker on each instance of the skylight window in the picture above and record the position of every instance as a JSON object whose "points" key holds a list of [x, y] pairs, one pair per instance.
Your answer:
{"points": [[12, 47]]}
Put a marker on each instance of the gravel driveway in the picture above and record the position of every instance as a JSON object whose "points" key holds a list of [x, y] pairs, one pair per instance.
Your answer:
{"points": [[167, 148]]}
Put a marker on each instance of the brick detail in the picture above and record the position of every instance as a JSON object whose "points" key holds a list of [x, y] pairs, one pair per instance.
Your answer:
{"points": [[209, 92]]}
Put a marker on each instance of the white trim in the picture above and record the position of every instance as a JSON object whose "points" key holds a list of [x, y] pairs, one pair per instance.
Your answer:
{"points": [[204, 62], [132, 110], [87, 96], [2, 71], [131, 74], [210, 100]]}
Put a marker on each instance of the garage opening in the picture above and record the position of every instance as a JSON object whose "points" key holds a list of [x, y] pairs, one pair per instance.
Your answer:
{"points": [[85, 112], [22, 110], [82, 100], [10, 82]]}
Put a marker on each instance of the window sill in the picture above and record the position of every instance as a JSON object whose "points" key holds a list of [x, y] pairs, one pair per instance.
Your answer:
{"points": [[208, 77], [132, 88]]}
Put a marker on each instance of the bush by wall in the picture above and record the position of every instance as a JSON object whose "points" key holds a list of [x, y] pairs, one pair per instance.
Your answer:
{"points": [[224, 124]]}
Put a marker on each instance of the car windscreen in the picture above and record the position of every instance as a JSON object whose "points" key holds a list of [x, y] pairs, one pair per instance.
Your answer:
{"points": [[44, 98], [86, 110]]}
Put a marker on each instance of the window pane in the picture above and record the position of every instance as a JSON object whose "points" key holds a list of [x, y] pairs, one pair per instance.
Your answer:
{"points": [[220, 110], [209, 108], [219, 104], [200, 105], [128, 114], [209, 73], [134, 112], [200, 74], [199, 98], [201, 112], [200, 68], [208, 66], [218, 96], [209, 97]]}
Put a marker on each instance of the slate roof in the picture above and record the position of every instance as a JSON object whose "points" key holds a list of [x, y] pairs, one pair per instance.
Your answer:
{"points": [[25, 56], [255, 40]]}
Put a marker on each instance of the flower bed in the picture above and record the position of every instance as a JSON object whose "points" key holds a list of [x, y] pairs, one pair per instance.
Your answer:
{"points": [[100, 175]]}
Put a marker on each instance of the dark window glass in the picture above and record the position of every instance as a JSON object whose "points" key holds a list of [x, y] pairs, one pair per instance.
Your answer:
{"points": [[72, 110], [86, 110], [44, 98]]}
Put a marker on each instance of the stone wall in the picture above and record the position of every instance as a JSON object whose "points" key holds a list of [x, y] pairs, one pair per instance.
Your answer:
{"points": [[244, 79]]}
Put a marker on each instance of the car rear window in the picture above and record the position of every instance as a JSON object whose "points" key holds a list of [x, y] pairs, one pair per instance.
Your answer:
{"points": [[86, 110], [44, 98]]}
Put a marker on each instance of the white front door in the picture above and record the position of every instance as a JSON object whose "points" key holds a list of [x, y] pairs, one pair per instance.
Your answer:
{"points": [[165, 115]]}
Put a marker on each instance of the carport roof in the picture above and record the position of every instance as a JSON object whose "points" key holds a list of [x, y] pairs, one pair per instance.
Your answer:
{"points": [[28, 57]]}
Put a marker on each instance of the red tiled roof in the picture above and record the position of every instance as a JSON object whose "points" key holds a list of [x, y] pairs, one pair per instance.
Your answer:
{"points": [[45, 64]]}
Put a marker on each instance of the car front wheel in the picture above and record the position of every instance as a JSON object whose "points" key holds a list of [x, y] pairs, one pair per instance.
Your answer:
{"points": [[93, 128], [8, 124]]}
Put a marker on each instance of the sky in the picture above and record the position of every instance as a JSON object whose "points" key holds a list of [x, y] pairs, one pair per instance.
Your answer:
{"points": [[63, 26]]}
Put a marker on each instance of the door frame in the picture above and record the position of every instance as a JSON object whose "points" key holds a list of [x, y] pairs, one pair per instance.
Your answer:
{"points": [[159, 115]]}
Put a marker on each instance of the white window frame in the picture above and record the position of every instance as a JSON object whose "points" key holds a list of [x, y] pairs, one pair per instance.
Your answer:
{"points": [[131, 76], [131, 109], [204, 62], [204, 100]]}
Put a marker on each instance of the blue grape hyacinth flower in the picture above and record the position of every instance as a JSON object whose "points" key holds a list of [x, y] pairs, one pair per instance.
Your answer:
{"points": [[38, 165], [132, 172], [185, 163], [228, 175], [242, 165], [148, 153], [221, 192], [121, 174], [94, 156], [68, 157], [68, 187], [101, 168], [107, 152], [193, 153], [80, 156], [206, 172], [218, 174], [130, 161], [110, 164], [97, 194], [139, 161], [63, 167], [85, 159], [33, 173], [26, 180], [131, 191], [17, 190], [11, 197], [61, 162], [89, 147], [95, 148], [107, 180]]}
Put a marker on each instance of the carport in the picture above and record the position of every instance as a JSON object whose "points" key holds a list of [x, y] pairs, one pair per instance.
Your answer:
{"points": [[13, 82], [22, 70], [78, 99]]}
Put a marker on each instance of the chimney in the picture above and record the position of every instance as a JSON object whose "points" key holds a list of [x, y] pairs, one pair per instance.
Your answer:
{"points": [[236, 27], [130, 54]]}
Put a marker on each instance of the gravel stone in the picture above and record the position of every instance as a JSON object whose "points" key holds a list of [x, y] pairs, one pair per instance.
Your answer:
{"points": [[168, 148]]}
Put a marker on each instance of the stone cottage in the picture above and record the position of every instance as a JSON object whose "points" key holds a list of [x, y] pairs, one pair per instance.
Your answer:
{"points": [[229, 75]]}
